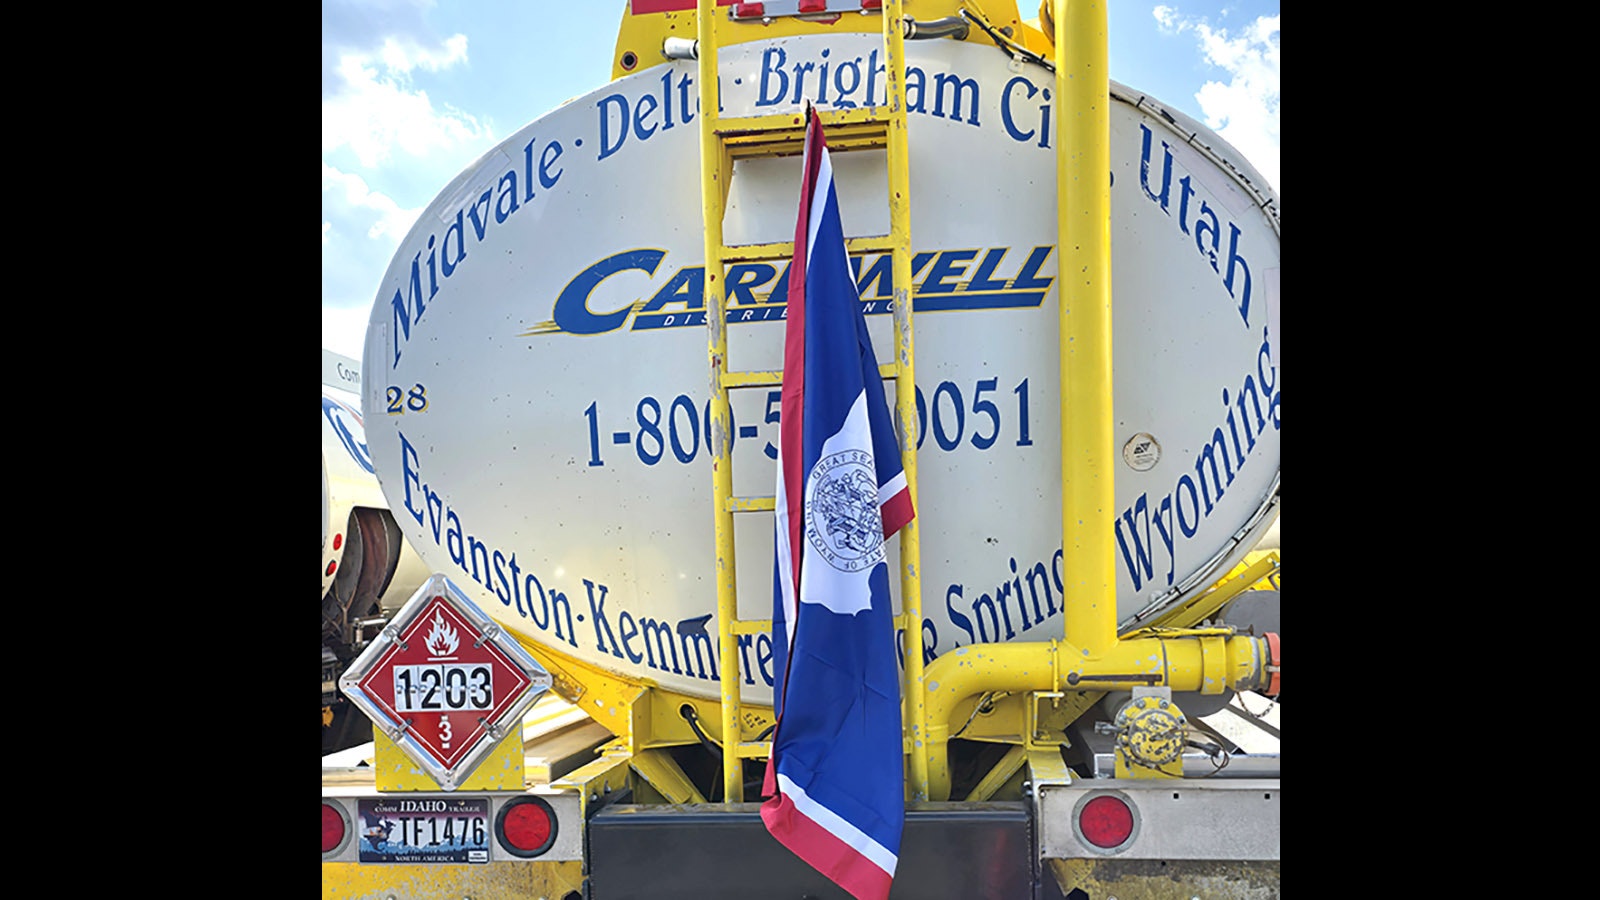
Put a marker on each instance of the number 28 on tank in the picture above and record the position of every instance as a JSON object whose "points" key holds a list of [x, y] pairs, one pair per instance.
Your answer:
{"points": [[401, 401]]}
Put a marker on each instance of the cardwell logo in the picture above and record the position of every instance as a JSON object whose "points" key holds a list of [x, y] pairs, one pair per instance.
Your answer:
{"points": [[941, 281]]}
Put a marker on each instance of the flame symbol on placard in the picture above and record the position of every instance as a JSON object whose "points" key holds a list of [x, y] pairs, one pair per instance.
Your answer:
{"points": [[441, 639]]}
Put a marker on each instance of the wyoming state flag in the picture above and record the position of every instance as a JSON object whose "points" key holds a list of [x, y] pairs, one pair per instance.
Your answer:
{"points": [[836, 778]]}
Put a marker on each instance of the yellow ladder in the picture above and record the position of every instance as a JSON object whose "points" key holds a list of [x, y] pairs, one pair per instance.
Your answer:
{"points": [[722, 141]]}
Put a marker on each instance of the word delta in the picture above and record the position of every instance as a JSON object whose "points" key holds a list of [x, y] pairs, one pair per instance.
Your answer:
{"points": [[942, 280], [640, 639]]}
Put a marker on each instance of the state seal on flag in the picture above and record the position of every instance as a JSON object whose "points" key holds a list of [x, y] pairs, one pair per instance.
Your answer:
{"points": [[843, 521]]}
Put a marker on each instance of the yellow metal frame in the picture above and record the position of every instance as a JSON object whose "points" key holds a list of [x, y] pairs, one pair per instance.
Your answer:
{"points": [[1083, 199]]}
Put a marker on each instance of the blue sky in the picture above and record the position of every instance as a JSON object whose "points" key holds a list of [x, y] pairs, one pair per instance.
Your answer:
{"points": [[413, 91]]}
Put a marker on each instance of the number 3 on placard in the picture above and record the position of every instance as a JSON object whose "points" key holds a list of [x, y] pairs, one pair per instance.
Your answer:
{"points": [[444, 732]]}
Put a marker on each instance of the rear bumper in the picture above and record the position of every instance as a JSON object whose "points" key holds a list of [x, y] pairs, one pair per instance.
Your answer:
{"points": [[1216, 839]]}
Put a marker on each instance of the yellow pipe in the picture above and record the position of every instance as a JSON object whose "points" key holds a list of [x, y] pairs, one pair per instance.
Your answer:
{"points": [[712, 192], [905, 393], [1083, 199], [1180, 663]]}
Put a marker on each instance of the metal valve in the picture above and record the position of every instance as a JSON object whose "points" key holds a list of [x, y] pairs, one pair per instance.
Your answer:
{"points": [[1151, 731]]}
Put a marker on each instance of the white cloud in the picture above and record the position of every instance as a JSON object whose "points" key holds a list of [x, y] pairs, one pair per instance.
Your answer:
{"points": [[383, 137], [361, 228], [1243, 109], [403, 56], [351, 194], [375, 109], [1167, 18]]}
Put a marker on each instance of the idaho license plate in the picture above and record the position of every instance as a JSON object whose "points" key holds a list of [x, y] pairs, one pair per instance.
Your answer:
{"points": [[424, 829]]}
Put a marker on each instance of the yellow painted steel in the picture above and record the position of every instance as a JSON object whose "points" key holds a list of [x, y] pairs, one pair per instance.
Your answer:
{"points": [[501, 770], [594, 781], [510, 880], [1258, 567], [1083, 198], [1046, 765], [905, 390], [1179, 663], [714, 171], [666, 776], [1000, 774]]}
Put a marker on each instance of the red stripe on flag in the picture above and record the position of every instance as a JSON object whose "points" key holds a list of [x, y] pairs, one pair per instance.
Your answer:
{"points": [[897, 512], [838, 861]]}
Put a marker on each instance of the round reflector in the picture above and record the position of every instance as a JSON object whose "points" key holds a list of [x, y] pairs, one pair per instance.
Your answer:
{"points": [[333, 828], [526, 826], [1106, 821]]}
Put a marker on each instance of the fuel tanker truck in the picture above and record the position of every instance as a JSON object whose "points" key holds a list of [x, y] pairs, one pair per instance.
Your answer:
{"points": [[572, 382]]}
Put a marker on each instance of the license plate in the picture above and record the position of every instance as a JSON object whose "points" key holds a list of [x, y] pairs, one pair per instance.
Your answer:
{"points": [[424, 829]]}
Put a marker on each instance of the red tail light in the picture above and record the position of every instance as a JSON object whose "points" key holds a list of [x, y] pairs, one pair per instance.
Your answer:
{"points": [[526, 826], [1106, 821], [334, 828]]}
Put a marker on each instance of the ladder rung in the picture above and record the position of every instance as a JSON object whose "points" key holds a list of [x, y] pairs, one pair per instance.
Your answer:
{"points": [[878, 243], [767, 378], [753, 749], [750, 504], [752, 626], [748, 146], [774, 377], [778, 123], [784, 135]]}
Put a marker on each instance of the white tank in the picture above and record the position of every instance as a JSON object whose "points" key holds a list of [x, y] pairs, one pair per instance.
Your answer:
{"points": [[535, 372]]}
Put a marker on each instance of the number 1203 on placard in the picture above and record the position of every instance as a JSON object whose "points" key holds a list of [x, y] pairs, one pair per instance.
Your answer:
{"points": [[445, 686]]}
